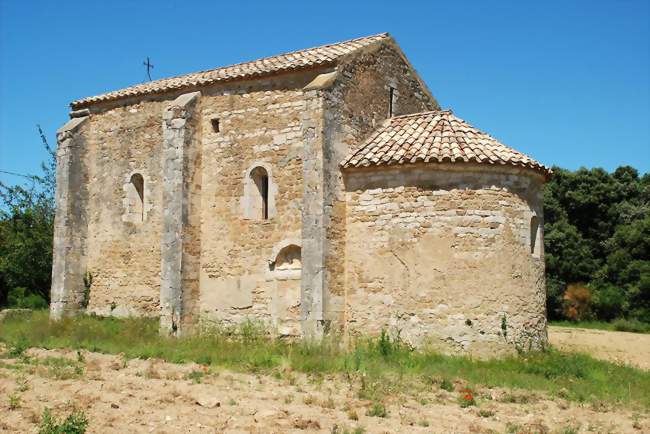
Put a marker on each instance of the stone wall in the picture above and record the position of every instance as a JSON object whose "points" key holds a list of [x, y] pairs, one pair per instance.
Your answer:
{"points": [[123, 251], [441, 255], [356, 103], [260, 125]]}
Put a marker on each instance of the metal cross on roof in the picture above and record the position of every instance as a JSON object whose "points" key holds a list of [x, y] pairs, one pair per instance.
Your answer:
{"points": [[149, 67]]}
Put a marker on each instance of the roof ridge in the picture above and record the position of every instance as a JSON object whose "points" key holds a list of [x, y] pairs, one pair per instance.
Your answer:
{"points": [[287, 53], [304, 58]]}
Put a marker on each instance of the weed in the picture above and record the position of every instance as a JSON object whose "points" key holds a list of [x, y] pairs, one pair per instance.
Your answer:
{"points": [[195, 376], [377, 410], [19, 346], [14, 402], [423, 423], [352, 414], [384, 344], [22, 382], [88, 282], [515, 398], [466, 398], [446, 385], [75, 423], [288, 399], [485, 413], [231, 401], [308, 400], [80, 357]]}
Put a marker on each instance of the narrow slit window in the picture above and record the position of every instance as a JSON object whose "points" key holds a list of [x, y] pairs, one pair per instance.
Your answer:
{"points": [[391, 100], [261, 179], [215, 125], [534, 237], [137, 181]]}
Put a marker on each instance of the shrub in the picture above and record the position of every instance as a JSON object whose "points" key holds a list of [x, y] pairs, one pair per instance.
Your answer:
{"points": [[75, 423], [631, 325], [21, 298], [377, 410], [577, 302]]}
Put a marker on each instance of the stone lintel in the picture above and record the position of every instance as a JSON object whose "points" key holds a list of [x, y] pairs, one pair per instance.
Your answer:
{"points": [[321, 81]]}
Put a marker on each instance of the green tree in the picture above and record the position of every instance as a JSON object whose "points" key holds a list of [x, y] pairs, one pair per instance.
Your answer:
{"points": [[594, 233], [26, 231]]}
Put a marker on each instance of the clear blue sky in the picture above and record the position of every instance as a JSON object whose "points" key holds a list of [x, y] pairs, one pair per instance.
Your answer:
{"points": [[565, 81]]}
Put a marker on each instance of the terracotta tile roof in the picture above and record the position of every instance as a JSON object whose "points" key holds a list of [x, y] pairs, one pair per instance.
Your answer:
{"points": [[324, 55], [437, 137]]}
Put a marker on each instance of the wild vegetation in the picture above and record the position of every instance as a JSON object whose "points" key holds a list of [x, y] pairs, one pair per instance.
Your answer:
{"points": [[597, 245], [375, 367]]}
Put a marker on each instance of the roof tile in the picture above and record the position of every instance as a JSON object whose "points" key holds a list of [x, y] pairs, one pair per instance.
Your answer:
{"points": [[436, 136], [324, 55]]}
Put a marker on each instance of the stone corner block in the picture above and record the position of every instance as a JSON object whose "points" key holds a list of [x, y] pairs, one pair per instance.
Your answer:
{"points": [[71, 125]]}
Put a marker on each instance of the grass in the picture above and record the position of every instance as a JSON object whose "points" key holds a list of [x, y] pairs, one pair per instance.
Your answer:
{"points": [[375, 368], [621, 325]]}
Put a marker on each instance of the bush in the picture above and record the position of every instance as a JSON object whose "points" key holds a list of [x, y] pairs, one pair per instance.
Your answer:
{"points": [[631, 325], [75, 423], [577, 302], [22, 299]]}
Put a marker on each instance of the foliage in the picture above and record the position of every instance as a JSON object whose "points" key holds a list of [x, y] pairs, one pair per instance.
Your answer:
{"points": [[597, 231], [364, 365], [577, 300], [26, 228], [75, 423]]}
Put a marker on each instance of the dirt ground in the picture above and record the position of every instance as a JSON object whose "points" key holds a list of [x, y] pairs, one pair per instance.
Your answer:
{"points": [[619, 347], [145, 396]]}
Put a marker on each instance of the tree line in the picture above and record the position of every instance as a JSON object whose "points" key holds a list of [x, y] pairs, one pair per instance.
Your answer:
{"points": [[596, 242]]}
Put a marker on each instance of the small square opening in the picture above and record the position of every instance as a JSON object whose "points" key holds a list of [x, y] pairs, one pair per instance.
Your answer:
{"points": [[215, 125]]}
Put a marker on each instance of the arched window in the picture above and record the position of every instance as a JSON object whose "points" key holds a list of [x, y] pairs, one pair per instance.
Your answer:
{"points": [[136, 196], [260, 204], [535, 238], [289, 258]]}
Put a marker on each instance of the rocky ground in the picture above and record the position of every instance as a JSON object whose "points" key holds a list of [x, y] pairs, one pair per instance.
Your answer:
{"points": [[149, 396]]}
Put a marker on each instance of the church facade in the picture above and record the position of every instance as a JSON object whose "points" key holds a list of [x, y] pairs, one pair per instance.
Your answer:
{"points": [[319, 191]]}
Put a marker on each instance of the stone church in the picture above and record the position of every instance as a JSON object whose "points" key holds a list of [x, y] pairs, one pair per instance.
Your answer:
{"points": [[318, 191]]}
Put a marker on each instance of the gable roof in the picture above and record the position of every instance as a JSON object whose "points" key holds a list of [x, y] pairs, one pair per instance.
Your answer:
{"points": [[434, 137], [325, 55]]}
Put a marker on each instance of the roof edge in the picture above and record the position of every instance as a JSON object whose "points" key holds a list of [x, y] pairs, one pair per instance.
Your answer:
{"points": [[132, 91]]}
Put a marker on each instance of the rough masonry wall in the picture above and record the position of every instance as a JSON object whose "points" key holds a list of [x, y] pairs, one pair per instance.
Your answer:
{"points": [[440, 255], [260, 125], [122, 249], [356, 104]]}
